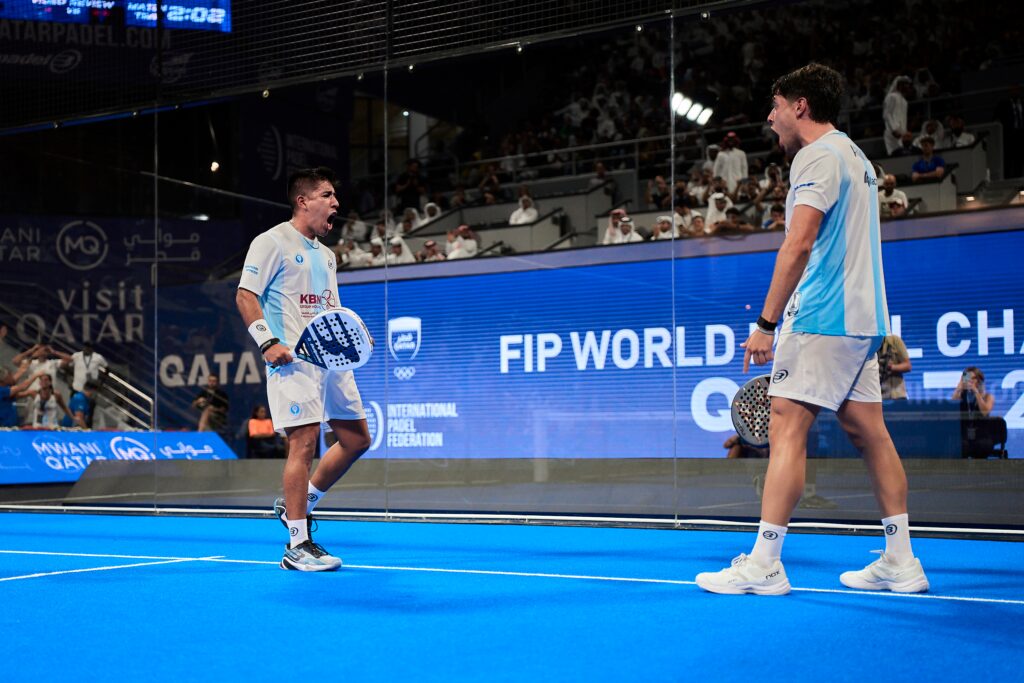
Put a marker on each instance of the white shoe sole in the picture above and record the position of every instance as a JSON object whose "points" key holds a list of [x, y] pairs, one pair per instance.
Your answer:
{"points": [[916, 585], [285, 564], [744, 589]]}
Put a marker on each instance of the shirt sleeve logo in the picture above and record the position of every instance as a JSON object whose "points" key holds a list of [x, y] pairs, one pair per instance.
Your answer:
{"points": [[253, 270]]}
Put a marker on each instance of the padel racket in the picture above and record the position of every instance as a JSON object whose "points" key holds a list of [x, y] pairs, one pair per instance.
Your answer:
{"points": [[751, 409], [335, 340]]}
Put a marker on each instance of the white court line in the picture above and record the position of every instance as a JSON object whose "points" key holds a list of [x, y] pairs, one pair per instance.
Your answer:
{"points": [[495, 572], [104, 569]]}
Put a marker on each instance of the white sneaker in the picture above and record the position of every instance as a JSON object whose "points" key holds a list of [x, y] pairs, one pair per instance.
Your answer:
{"points": [[746, 576], [885, 575]]}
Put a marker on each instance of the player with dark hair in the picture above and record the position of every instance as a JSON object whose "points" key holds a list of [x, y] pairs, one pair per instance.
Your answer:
{"points": [[829, 270], [288, 278]]}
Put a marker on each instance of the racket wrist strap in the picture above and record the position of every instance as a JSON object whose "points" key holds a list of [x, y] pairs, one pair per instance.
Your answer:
{"points": [[260, 332], [765, 326]]}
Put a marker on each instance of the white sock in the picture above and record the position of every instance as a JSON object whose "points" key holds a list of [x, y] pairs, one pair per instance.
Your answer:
{"points": [[297, 531], [768, 547], [312, 498], [897, 538]]}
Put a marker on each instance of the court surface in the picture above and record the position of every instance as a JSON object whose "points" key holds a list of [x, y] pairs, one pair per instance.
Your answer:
{"points": [[100, 598]]}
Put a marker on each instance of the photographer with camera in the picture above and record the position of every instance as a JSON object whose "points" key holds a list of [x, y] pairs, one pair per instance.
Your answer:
{"points": [[979, 431]]}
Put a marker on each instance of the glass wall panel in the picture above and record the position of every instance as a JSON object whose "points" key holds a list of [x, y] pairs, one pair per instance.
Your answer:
{"points": [[77, 234], [528, 355]]}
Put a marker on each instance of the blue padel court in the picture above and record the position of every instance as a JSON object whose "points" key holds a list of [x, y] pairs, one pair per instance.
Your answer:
{"points": [[99, 598]]}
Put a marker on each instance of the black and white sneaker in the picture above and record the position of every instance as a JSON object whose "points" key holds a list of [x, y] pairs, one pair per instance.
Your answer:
{"points": [[282, 514], [309, 557]]}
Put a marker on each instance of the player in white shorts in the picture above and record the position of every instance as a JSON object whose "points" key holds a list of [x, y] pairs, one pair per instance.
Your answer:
{"points": [[829, 270], [288, 278]]}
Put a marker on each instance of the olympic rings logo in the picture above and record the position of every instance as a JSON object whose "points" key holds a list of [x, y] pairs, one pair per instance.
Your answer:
{"points": [[404, 372]]}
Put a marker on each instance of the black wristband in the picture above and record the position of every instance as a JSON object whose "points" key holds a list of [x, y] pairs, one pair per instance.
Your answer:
{"points": [[765, 325], [267, 344]]}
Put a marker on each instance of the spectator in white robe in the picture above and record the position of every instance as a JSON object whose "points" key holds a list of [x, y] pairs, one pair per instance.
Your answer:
{"points": [[894, 114], [526, 213], [400, 253], [731, 162], [612, 229], [462, 243]]}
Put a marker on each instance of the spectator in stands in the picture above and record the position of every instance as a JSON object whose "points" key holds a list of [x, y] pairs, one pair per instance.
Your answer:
{"points": [[431, 212], [430, 252], [349, 253], [893, 363], [732, 222], [746, 191], [459, 199], [411, 220], [892, 202], [400, 253], [710, 157], [601, 177], [956, 136], [718, 204], [11, 391], [657, 194], [772, 177], [44, 404], [682, 217], [697, 225], [894, 114], [929, 166], [261, 441], [354, 228], [526, 213], [931, 129], [731, 162], [409, 186], [462, 243], [611, 231], [776, 219], [490, 198], [663, 229], [86, 365], [970, 391], [83, 404], [627, 233], [1010, 113], [377, 256], [212, 404], [490, 182], [700, 189], [41, 360], [387, 220]]}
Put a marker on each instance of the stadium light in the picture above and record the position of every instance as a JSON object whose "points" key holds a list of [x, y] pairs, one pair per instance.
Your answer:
{"points": [[215, 166], [692, 111]]}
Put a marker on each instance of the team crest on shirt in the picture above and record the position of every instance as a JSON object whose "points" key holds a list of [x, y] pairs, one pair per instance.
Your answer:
{"points": [[298, 258]]}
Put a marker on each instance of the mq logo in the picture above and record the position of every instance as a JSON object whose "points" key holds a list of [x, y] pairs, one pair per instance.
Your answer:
{"points": [[82, 245]]}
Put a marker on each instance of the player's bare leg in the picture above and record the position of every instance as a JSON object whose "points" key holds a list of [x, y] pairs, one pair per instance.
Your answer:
{"points": [[897, 569], [866, 429], [787, 438], [353, 440], [301, 447]]}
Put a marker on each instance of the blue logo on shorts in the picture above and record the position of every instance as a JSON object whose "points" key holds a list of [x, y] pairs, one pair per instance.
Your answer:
{"points": [[295, 409], [298, 258]]}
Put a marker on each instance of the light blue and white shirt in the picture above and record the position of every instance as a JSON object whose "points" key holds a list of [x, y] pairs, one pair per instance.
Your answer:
{"points": [[294, 277], [842, 289]]}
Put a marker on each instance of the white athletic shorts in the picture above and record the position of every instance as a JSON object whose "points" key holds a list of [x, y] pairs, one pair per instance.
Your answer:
{"points": [[826, 370], [301, 393]]}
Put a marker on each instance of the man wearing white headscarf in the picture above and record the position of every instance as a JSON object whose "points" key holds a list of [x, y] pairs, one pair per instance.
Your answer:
{"points": [[400, 253], [461, 243], [718, 204], [663, 229], [430, 212], [894, 113], [377, 255], [526, 213], [611, 231]]}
